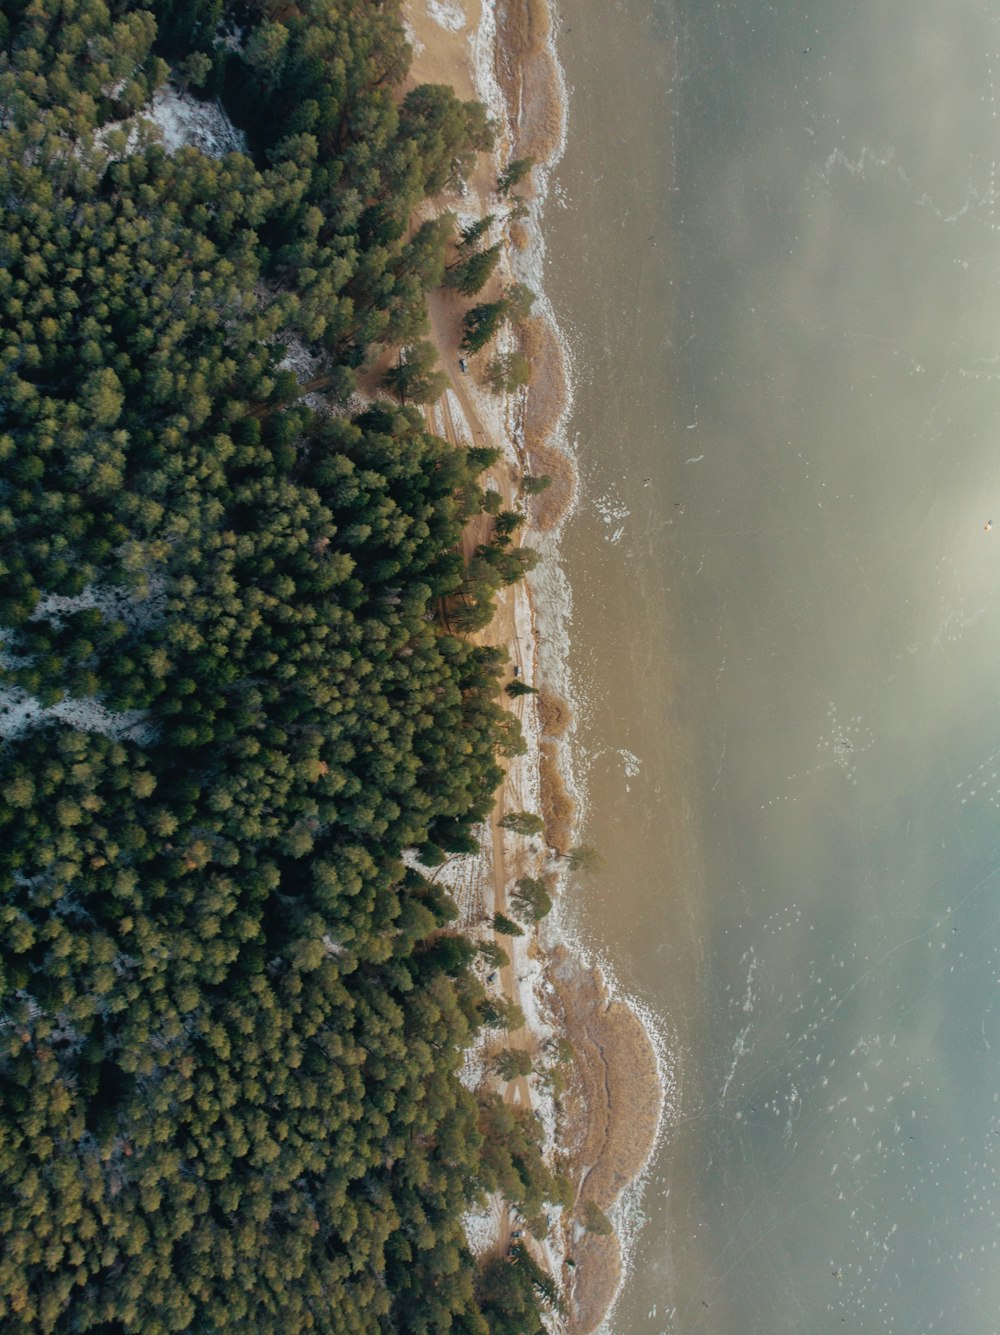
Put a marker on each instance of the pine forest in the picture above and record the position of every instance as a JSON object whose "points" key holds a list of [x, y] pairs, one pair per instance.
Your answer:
{"points": [[233, 1016]]}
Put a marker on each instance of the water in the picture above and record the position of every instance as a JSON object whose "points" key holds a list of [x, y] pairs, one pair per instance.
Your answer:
{"points": [[779, 267]]}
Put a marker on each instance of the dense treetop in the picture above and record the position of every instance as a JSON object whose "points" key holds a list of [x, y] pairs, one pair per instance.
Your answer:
{"points": [[231, 1018]]}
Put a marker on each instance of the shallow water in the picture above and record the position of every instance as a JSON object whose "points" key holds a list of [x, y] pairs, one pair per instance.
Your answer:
{"points": [[778, 263]]}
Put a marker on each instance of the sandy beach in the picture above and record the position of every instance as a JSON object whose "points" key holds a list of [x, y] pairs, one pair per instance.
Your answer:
{"points": [[601, 1102]]}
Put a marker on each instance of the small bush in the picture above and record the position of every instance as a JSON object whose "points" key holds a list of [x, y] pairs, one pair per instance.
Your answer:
{"points": [[508, 372], [513, 174], [511, 1063], [595, 1220], [522, 822]]}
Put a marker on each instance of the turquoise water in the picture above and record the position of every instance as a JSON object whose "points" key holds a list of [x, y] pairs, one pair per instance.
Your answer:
{"points": [[778, 264]]}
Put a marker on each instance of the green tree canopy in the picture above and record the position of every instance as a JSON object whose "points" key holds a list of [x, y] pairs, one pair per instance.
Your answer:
{"points": [[531, 899], [511, 1063], [234, 1016], [505, 926], [481, 323], [414, 378], [522, 822], [513, 174], [507, 372], [469, 275]]}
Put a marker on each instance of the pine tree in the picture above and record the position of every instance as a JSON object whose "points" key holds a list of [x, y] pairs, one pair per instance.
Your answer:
{"points": [[469, 275], [505, 926], [480, 323], [414, 378], [522, 822], [531, 899]]}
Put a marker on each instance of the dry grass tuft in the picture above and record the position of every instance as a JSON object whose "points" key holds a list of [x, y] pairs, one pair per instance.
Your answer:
{"points": [[554, 713], [528, 77], [558, 807], [613, 1107], [518, 234], [545, 404], [548, 382], [549, 507]]}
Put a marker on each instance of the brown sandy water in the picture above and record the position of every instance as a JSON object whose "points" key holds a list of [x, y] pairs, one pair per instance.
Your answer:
{"points": [[774, 247]]}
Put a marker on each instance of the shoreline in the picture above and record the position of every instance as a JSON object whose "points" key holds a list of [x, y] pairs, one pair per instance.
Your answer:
{"points": [[503, 54]]}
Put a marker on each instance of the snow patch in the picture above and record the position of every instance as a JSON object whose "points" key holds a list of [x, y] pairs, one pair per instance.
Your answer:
{"points": [[358, 403], [531, 987], [458, 419], [185, 121], [465, 220], [231, 36], [307, 367], [115, 604], [469, 879], [447, 14], [298, 358], [133, 138], [473, 1071], [19, 711], [416, 45], [482, 1226]]}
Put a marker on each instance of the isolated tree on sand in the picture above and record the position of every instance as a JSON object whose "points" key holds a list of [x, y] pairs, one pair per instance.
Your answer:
{"points": [[519, 300], [469, 275], [531, 899], [513, 174], [508, 371], [583, 858], [516, 687], [506, 525], [506, 926], [499, 1013], [480, 323], [494, 956], [470, 617], [522, 822], [511, 1063], [534, 486], [470, 236]]}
